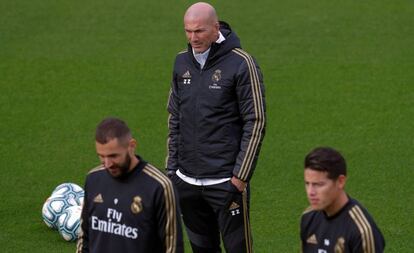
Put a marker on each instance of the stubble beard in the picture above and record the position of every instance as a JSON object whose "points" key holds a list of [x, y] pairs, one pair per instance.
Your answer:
{"points": [[123, 168]]}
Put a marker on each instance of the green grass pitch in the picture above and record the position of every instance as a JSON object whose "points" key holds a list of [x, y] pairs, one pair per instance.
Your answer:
{"points": [[337, 73]]}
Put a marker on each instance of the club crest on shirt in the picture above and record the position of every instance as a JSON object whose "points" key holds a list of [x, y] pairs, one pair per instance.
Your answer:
{"points": [[216, 76], [136, 206], [340, 245]]}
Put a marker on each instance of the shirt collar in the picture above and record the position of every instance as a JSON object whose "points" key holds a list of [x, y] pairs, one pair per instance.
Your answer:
{"points": [[201, 58]]}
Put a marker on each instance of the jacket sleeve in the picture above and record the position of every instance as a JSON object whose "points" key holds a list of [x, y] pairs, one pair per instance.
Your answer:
{"points": [[251, 100], [365, 242], [169, 218], [365, 237], [83, 239], [173, 127]]}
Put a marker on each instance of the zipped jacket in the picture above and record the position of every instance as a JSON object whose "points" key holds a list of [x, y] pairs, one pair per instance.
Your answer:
{"points": [[217, 113]]}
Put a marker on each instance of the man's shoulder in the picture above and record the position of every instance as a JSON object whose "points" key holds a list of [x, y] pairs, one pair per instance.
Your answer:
{"points": [[182, 53], [96, 174], [309, 211], [310, 215], [158, 177], [182, 57], [363, 225], [358, 213], [241, 53], [98, 169], [243, 56]]}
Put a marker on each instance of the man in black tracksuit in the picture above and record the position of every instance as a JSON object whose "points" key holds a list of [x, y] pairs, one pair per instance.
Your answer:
{"points": [[334, 222], [216, 126], [130, 206]]}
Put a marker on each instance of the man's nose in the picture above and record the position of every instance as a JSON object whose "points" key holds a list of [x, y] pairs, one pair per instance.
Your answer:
{"points": [[311, 190], [193, 36], [107, 162]]}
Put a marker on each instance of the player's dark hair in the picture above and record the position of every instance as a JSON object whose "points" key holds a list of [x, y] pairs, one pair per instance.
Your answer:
{"points": [[326, 159], [112, 128]]}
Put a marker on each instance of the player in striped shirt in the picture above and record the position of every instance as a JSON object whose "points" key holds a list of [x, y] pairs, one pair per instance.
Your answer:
{"points": [[334, 222]]}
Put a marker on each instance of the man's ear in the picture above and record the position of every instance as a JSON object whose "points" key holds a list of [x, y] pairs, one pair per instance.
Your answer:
{"points": [[341, 181], [132, 145]]}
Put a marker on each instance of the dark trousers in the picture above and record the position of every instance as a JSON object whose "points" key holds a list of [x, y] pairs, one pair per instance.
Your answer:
{"points": [[210, 210]]}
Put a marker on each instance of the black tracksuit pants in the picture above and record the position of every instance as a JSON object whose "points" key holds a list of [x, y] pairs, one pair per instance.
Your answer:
{"points": [[209, 211]]}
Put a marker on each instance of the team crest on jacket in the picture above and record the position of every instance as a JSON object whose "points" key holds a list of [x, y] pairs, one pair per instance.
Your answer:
{"points": [[340, 245], [136, 206], [216, 76]]}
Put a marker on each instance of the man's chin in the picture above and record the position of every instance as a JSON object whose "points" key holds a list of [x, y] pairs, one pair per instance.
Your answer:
{"points": [[316, 207], [115, 172], [199, 49]]}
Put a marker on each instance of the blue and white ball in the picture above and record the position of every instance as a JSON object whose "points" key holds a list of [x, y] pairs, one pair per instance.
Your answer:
{"points": [[53, 207], [73, 192], [69, 223]]}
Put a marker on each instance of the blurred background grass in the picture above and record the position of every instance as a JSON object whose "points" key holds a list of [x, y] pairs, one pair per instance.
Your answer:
{"points": [[336, 73]]}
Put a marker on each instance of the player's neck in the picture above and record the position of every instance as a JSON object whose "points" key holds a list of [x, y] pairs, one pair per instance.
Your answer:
{"points": [[337, 205], [134, 163]]}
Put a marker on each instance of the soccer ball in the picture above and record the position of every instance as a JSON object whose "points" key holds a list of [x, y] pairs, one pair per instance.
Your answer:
{"points": [[69, 223], [53, 207], [72, 191]]}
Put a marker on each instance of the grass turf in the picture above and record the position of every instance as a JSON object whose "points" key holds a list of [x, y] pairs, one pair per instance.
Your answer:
{"points": [[336, 73]]}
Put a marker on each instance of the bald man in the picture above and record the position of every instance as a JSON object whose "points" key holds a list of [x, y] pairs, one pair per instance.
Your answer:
{"points": [[216, 127]]}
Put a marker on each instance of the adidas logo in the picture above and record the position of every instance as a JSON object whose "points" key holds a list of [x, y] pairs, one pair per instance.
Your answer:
{"points": [[312, 239], [98, 199], [234, 205], [187, 74]]}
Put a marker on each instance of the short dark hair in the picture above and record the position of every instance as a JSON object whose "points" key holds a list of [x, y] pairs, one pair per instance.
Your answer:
{"points": [[112, 128], [326, 159]]}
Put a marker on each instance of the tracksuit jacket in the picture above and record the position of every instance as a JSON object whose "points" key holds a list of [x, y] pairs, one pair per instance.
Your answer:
{"points": [[135, 213], [351, 229], [217, 114]]}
